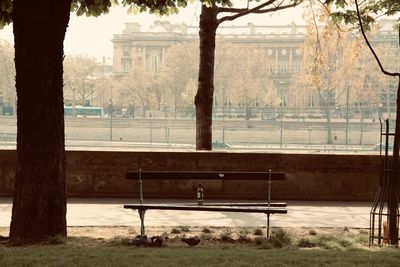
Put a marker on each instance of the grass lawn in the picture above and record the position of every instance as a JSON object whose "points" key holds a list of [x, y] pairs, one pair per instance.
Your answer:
{"points": [[218, 247], [64, 255]]}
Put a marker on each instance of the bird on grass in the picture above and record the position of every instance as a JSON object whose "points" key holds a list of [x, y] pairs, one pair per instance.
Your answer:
{"points": [[191, 241]]}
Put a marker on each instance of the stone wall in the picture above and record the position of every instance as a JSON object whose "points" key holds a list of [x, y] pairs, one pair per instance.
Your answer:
{"points": [[309, 177]]}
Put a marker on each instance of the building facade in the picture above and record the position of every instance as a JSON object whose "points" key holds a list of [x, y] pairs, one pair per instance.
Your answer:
{"points": [[282, 44]]}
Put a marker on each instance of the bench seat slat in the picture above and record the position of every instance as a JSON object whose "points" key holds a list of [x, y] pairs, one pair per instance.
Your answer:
{"points": [[240, 204], [206, 175], [271, 210]]}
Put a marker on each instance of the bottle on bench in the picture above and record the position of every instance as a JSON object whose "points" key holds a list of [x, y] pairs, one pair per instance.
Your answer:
{"points": [[200, 195]]}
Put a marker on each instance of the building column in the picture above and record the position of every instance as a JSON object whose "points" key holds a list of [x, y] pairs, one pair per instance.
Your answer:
{"points": [[144, 57], [162, 57]]}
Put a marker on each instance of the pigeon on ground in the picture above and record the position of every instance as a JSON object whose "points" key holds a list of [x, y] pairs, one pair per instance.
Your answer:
{"points": [[192, 241], [157, 241]]}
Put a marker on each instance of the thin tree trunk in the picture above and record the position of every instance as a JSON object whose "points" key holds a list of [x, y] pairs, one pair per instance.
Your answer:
{"points": [[205, 92], [39, 207], [361, 124], [326, 106], [329, 125]]}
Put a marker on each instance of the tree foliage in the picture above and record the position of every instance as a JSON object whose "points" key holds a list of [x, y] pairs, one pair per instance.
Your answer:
{"points": [[241, 73], [7, 72], [138, 87], [369, 11], [362, 15], [79, 79], [329, 57], [178, 73]]}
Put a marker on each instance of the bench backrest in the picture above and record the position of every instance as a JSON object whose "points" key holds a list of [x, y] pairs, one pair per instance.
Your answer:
{"points": [[204, 175]]}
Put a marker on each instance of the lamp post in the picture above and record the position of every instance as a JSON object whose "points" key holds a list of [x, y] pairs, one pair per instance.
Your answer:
{"points": [[223, 115], [110, 111], [281, 112], [347, 114], [176, 91]]}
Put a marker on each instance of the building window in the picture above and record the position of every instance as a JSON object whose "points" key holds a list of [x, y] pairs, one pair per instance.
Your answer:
{"points": [[283, 67], [127, 51], [155, 60], [283, 51], [126, 64]]}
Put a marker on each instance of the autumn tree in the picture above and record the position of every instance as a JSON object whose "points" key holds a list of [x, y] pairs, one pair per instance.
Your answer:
{"points": [[327, 54], [177, 74], [102, 88], [138, 87], [80, 74], [7, 73], [241, 75], [362, 15]]}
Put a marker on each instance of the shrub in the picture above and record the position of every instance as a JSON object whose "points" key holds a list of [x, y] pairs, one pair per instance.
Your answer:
{"points": [[280, 234], [205, 236], [226, 235], [260, 240], [243, 234], [306, 243], [206, 230], [344, 243], [175, 231], [184, 229], [312, 232], [258, 231]]}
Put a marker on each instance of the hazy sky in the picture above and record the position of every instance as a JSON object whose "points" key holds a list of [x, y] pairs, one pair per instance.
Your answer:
{"points": [[92, 36]]}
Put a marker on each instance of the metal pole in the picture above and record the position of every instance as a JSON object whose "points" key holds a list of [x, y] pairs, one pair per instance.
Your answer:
{"points": [[269, 200], [175, 102], [110, 111], [223, 115], [176, 91], [281, 112], [140, 186], [347, 114], [281, 132]]}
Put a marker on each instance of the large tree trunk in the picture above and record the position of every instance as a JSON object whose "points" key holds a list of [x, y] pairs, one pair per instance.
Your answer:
{"points": [[39, 208], [394, 178], [205, 92]]}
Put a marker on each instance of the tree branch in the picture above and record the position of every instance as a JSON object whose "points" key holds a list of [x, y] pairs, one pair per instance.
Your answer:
{"points": [[255, 10], [394, 74], [239, 10]]}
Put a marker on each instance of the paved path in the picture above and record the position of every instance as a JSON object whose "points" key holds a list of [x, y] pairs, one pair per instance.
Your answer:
{"points": [[108, 211]]}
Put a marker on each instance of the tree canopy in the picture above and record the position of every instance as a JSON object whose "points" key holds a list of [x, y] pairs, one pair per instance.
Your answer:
{"points": [[369, 11]]}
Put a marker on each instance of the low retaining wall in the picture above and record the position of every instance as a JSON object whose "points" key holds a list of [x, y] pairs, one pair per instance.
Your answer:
{"points": [[309, 177]]}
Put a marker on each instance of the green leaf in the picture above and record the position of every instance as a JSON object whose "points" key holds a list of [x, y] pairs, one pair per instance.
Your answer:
{"points": [[143, 9], [81, 11]]}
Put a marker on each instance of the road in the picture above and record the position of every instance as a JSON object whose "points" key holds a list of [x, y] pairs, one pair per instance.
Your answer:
{"points": [[240, 134]]}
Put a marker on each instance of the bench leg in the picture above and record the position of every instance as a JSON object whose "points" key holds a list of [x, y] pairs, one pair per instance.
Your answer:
{"points": [[141, 215], [268, 225]]}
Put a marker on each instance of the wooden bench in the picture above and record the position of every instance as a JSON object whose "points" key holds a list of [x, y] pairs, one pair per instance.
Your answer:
{"points": [[267, 208]]}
